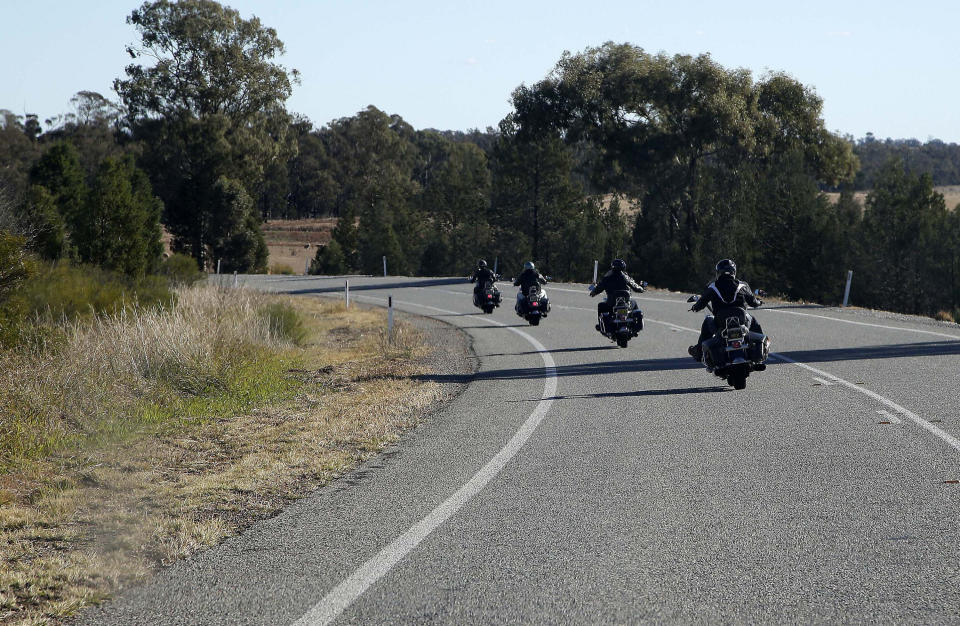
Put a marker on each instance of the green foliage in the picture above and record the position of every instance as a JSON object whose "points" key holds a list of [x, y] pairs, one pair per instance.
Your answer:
{"points": [[46, 224], [65, 291], [119, 228], [329, 260], [235, 235], [18, 152], [285, 322], [60, 173], [181, 270], [210, 109], [16, 268], [282, 269]]}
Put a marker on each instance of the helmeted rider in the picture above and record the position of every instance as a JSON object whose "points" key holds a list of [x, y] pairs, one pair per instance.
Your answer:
{"points": [[528, 278], [729, 297], [617, 284], [484, 278]]}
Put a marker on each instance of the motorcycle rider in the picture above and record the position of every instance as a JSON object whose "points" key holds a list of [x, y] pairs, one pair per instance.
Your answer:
{"points": [[729, 297], [617, 283], [484, 278], [528, 278]]}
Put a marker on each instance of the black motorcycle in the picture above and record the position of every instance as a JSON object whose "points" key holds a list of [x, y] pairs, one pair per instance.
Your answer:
{"points": [[734, 351], [534, 305], [623, 322], [487, 299]]}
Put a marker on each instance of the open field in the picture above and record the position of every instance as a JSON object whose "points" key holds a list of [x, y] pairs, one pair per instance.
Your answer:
{"points": [[125, 495], [951, 195], [294, 242]]}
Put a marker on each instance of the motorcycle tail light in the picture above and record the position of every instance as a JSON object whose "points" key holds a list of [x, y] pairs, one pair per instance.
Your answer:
{"points": [[534, 304], [489, 296], [737, 344]]}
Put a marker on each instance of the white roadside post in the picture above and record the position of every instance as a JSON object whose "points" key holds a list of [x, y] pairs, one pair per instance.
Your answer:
{"points": [[496, 261], [346, 292], [306, 266], [596, 264], [235, 280], [846, 292], [390, 319], [219, 283], [384, 267]]}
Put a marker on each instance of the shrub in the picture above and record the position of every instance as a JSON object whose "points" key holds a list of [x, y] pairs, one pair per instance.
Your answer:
{"points": [[181, 270], [281, 268], [329, 260], [65, 291], [944, 316], [284, 322]]}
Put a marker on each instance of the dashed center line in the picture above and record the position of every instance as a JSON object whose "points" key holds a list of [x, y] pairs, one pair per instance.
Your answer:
{"points": [[893, 419]]}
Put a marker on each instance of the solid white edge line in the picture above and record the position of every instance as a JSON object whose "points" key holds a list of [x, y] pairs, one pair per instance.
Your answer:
{"points": [[343, 595]]}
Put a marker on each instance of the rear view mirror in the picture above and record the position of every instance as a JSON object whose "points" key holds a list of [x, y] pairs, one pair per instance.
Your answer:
{"points": [[760, 293], [693, 298]]}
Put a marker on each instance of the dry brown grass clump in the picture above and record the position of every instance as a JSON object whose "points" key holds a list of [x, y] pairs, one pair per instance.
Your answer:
{"points": [[80, 524]]}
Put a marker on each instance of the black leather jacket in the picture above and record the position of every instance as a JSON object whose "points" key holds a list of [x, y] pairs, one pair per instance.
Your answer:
{"points": [[484, 277], [727, 296], [616, 283], [529, 278]]}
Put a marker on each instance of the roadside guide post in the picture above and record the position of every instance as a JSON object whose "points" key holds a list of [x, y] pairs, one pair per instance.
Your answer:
{"points": [[390, 319], [235, 280], [846, 292], [219, 280], [306, 266], [384, 267], [595, 265], [346, 292]]}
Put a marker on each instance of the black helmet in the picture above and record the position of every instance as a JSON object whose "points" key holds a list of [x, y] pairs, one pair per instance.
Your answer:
{"points": [[618, 264], [727, 266], [481, 263]]}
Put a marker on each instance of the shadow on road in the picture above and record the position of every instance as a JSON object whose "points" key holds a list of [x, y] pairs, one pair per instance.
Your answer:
{"points": [[556, 350], [890, 351], [633, 394], [432, 282], [581, 369]]}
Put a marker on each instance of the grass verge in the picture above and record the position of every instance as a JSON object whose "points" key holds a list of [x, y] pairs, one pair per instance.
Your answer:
{"points": [[189, 455]]}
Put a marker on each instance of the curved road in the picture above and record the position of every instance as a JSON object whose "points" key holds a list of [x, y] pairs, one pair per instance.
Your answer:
{"points": [[576, 482]]}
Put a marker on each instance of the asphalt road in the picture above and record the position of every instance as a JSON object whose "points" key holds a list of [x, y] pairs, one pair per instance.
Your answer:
{"points": [[575, 482]]}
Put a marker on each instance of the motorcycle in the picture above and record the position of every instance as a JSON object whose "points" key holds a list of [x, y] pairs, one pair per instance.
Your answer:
{"points": [[735, 351], [623, 322], [534, 305], [488, 299]]}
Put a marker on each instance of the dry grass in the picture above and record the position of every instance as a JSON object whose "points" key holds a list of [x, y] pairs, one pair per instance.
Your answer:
{"points": [[80, 524]]}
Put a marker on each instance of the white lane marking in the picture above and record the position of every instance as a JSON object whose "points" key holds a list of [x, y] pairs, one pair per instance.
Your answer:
{"points": [[919, 421], [344, 594], [922, 423], [837, 319], [893, 419], [823, 382]]}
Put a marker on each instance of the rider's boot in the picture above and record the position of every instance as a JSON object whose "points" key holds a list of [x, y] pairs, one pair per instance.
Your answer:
{"points": [[696, 352]]}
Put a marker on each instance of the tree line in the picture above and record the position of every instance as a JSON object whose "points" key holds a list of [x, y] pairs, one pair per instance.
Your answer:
{"points": [[670, 161]]}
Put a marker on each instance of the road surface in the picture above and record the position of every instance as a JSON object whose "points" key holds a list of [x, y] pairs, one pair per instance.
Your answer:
{"points": [[576, 482]]}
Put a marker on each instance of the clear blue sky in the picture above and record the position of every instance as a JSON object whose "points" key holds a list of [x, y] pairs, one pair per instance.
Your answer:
{"points": [[891, 68]]}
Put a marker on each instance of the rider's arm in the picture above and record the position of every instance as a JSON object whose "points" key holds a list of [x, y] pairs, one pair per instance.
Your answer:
{"points": [[749, 296], [541, 279], [702, 303], [633, 284]]}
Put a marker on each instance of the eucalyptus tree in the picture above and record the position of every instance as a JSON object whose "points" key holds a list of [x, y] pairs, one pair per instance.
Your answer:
{"points": [[684, 135], [211, 106]]}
